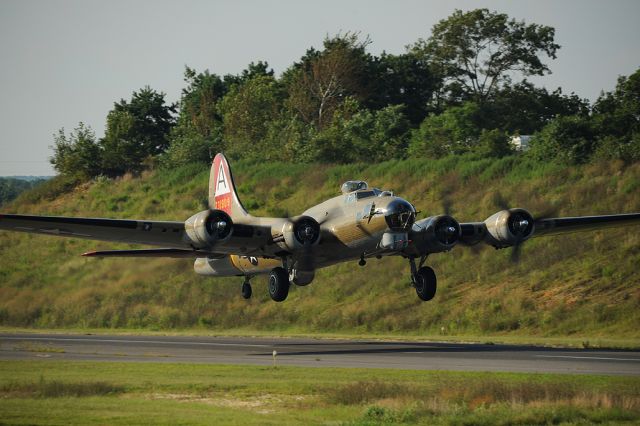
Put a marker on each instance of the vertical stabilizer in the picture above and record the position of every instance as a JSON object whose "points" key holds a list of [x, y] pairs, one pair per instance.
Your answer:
{"points": [[222, 191]]}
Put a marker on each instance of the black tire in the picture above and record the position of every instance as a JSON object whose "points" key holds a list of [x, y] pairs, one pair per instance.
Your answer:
{"points": [[246, 291], [278, 284], [426, 283]]}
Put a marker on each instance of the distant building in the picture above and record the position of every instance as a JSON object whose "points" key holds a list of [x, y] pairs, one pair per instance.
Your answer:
{"points": [[521, 142]]}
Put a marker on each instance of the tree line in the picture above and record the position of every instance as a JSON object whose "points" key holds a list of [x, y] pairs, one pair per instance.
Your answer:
{"points": [[464, 89]]}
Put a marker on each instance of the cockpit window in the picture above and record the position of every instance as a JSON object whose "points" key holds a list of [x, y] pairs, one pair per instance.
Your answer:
{"points": [[365, 194], [353, 185]]}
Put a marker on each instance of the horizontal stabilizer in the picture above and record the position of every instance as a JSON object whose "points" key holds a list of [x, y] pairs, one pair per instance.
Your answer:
{"points": [[162, 252]]}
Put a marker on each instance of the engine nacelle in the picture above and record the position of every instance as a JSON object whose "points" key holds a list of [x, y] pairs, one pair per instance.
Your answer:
{"points": [[207, 228], [435, 234], [507, 228], [300, 232]]}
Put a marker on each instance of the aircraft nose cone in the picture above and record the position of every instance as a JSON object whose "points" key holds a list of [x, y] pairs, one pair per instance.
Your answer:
{"points": [[400, 215]]}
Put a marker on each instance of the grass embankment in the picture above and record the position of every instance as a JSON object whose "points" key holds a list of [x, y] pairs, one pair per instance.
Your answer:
{"points": [[128, 393], [581, 286]]}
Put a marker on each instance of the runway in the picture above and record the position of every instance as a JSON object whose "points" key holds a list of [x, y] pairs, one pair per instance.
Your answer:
{"points": [[318, 353]]}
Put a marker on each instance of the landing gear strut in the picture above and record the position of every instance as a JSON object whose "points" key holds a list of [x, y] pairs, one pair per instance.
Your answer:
{"points": [[246, 288], [423, 279]]}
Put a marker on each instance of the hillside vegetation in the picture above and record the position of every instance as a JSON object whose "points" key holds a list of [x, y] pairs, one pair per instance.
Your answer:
{"points": [[581, 285]]}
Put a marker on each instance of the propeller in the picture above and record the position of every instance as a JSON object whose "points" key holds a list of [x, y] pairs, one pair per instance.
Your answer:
{"points": [[306, 231], [519, 224]]}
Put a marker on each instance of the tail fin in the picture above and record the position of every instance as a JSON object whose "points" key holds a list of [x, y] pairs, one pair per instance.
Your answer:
{"points": [[222, 191]]}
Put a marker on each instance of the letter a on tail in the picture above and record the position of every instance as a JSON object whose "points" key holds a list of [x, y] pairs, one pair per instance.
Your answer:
{"points": [[222, 191]]}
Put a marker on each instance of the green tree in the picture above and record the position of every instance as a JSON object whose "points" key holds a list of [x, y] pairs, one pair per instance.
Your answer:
{"points": [[293, 139], [524, 109], [616, 117], [136, 130], [77, 156], [567, 140], [254, 69], [10, 188], [493, 143], [197, 134], [404, 79], [455, 131], [319, 84], [364, 135], [475, 51], [248, 110]]}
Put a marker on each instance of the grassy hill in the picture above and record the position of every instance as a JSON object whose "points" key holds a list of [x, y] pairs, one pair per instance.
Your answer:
{"points": [[581, 285]]}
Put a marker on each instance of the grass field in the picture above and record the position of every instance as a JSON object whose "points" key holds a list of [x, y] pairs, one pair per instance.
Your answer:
{"points": [[578, 288], [54, 392]]}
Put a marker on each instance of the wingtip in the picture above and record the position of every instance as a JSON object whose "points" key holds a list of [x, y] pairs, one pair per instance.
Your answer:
{"points": [[89, 253]]}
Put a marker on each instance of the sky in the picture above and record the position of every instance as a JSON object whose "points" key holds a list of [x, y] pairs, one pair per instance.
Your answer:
{"points": [[67, 61]]}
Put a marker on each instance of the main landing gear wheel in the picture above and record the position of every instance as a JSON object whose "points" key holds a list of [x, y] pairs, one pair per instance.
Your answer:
{"points": [[246, 290], [425, 282], [278, 284]]}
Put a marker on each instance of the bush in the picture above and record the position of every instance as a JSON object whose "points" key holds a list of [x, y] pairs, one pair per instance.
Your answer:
{"points": [[568, 140]]}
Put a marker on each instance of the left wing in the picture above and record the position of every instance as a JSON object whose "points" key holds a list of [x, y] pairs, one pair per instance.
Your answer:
{"points": [[160, 252], [156, 233]]}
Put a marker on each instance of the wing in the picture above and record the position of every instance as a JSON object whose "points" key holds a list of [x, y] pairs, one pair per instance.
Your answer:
{"points": [[511, 227], [160, 252], [245, 239], [155, 233], [561, 225]]}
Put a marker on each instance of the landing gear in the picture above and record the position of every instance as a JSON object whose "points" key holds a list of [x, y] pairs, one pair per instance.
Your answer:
{"points": [[278, 284], [362, 262], [425, 282], [246, 289], [423, 279]]}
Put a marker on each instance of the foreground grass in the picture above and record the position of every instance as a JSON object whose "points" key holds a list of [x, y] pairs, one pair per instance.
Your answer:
{"points": [[53, 392]]}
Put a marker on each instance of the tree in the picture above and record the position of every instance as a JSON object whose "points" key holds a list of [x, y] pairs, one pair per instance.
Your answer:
{"points": [[404, 79], [363, 135], [474, 52], [618, 112], [136, 129], [248, 110], [199, 102], [321, 82], [617, 120], [455, 131], [197, 134], [523, 108], [254, 69], [77, 156], [567, 140]]}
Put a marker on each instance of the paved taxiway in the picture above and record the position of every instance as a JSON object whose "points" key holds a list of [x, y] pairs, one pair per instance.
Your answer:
{"points": [[318, 353]]}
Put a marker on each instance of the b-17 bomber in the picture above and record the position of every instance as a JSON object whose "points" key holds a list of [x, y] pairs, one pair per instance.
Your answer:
{"points": [[358, 224]]}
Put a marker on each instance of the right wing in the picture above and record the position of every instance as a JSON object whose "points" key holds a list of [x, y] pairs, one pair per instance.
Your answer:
{"points": [[155, 233], [159, 252], [172, 236]]}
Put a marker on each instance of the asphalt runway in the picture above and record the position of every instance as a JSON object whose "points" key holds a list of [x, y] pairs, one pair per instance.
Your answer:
{"points": [[318, 353]]}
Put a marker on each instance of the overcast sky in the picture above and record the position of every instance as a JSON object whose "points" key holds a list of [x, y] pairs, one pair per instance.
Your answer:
{"points": [[69, 61]]}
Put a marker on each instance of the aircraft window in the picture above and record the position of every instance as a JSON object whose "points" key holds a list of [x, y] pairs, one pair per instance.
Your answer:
{"points": [[365, 194], [353, 185]]}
